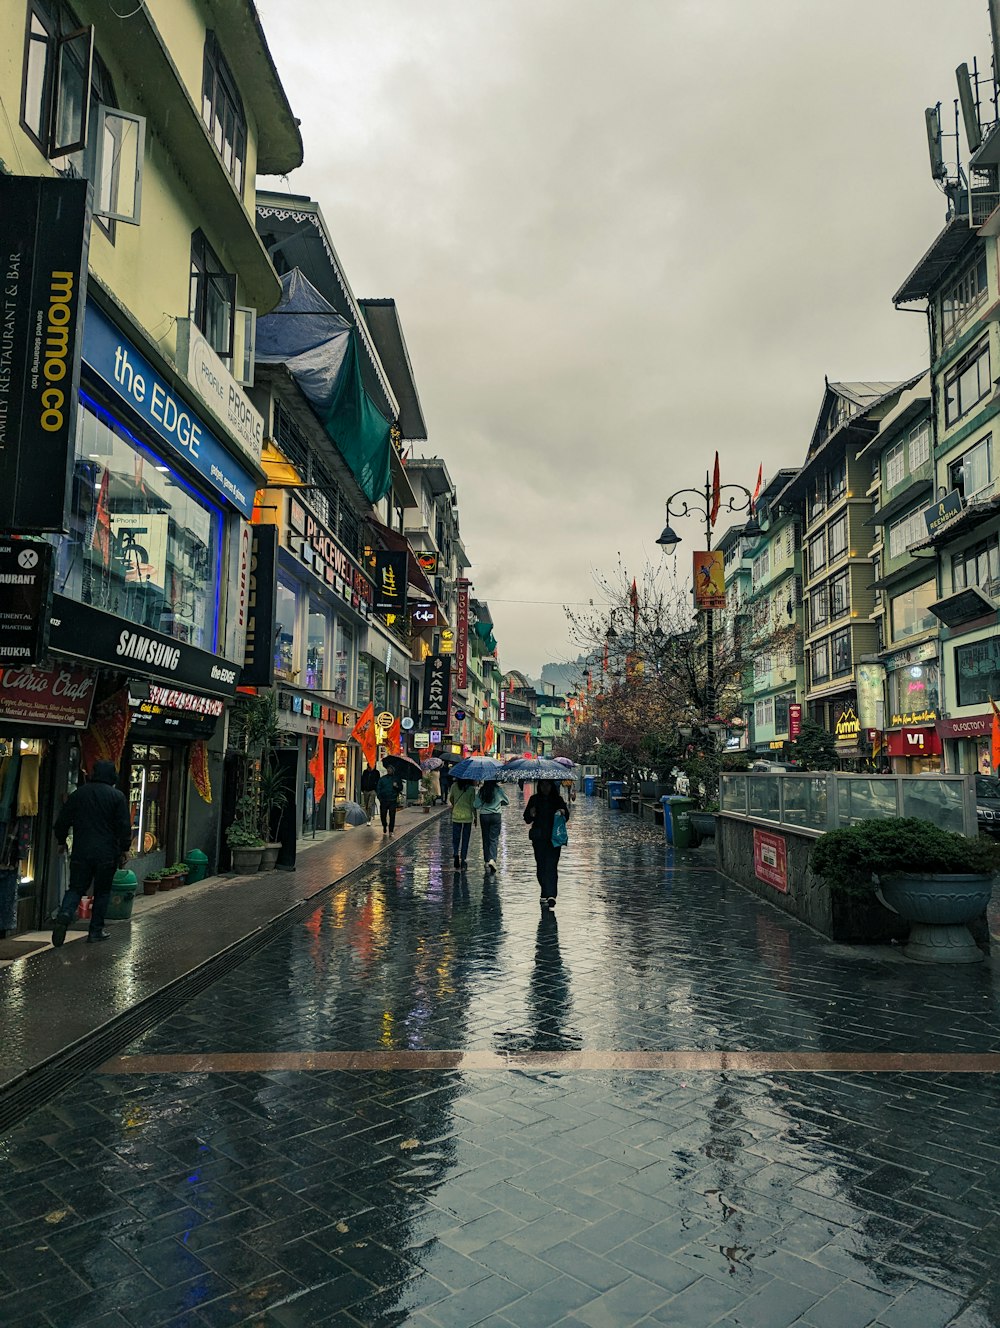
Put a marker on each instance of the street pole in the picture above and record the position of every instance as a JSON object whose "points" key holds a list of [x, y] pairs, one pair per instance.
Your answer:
{"points": [[709, 623]]}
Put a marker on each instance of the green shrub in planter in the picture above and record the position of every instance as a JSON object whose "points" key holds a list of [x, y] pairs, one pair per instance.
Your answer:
{"points": [[241, 835], [849, 858]]}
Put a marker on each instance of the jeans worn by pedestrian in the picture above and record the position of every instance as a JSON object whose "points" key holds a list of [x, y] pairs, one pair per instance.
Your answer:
{"points": [[82, 874], [547, 867], [489, 825], [368, 802], [461, 833], [387, 811]]}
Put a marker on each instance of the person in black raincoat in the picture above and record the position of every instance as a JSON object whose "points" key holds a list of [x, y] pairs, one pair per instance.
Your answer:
{"points": [[540, 813], [97, 813]]}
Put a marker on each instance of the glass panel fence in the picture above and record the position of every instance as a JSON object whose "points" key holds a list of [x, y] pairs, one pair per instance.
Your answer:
{"points": [[804, 801], [861, 799], [734, 793], [939, 800], [764, 798]]}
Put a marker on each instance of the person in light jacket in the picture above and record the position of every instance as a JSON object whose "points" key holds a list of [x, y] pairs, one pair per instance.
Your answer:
{"points": [[462, 799], [489, 802]]}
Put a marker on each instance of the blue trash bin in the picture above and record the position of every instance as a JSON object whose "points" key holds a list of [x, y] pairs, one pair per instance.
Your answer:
{"points": [[589, 784], [616, 794]]}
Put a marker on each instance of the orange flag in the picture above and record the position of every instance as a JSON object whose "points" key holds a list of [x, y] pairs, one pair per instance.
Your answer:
{"points": [[317, 768], [393, 739], [364, 733], [757, 488], [489, 739]]}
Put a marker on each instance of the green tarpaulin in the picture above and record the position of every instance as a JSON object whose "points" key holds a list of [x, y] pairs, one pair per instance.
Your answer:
{"points": [[359, 429]]}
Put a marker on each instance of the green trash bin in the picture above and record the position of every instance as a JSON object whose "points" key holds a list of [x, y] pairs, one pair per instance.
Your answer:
{"points": [[123, 888], [197, 864], [681, 832]]}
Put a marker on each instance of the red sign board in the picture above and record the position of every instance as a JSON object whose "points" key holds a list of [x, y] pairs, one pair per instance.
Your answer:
{"points": [[913, 742], [770, 859], [973, 726], [60, 697], [794, 720]]}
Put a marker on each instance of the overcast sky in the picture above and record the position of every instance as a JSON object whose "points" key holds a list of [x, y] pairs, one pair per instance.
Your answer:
{"points": [[621, 234]]}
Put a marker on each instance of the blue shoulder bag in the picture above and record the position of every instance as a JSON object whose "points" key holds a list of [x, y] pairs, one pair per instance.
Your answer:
{"points": [[560, 835]]}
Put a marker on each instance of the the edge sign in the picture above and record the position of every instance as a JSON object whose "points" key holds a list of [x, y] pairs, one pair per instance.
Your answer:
{"points": [[44, 239]]}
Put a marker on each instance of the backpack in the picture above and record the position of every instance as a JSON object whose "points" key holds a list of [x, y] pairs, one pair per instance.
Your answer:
{"points": [[560, 834]]}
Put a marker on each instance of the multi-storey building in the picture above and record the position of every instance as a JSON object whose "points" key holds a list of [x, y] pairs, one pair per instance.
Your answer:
{"points": [[832, 488], [169, 116]]}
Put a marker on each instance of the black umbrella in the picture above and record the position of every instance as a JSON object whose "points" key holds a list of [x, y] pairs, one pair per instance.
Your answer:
{"points": [[402, 766]]}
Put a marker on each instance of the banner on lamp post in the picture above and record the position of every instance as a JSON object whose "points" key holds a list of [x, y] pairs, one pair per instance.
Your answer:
{"points": [[709, 580]]}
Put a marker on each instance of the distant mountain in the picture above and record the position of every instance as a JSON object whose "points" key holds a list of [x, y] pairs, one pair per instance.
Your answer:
{"points": [[563, 677]]}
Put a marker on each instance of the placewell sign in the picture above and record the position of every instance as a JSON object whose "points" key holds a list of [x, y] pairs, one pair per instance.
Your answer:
{"points": [[25, 589], [44, 238]]}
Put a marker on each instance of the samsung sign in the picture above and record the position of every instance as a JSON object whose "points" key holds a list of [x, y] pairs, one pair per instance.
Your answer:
{"points": [[131, 377]]}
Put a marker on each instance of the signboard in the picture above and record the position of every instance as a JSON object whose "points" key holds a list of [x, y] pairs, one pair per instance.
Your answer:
{"points": [[503, 706], [237, 608], [90, 634], [325, 556], [770, 859], [421, 741], [25, 592], [462, 635], [437, 692], [941, 512], [258, 655], [912, 718], [57, 696], [219, 390], [390, 581], [435, 736], [447, 646], [423, 614], [914, 742], [794, 720], [168, 710], [871, 694], [428, 563], [846, 726], [709, 580], [973, 726], [44, 240], [130, 376]]}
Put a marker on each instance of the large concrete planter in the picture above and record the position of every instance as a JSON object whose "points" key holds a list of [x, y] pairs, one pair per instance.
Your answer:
{"points": [[246, 860], [939, 909], [704, 824]]}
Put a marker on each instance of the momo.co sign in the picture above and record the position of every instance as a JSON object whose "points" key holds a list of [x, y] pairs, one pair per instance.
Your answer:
{"points": [[44, 241]]}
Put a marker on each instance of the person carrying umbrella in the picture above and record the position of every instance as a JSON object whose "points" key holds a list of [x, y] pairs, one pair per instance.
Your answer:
{"points": [[388, 790], [462, 799], [540, 814], [489, 802]]}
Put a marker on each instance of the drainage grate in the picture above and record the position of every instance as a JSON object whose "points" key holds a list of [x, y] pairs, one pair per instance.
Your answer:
{"points": [[43, 1082]]}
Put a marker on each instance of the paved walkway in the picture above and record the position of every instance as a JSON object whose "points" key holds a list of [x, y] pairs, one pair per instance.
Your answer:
{"points": [[425, 1103]]}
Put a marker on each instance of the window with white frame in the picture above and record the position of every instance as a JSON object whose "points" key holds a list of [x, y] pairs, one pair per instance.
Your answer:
{"points": [[761, 567], [790, 542], [973, 470], [895, 466], [817, 553], [964, 295], [762, 666], [918, 443], [909, 529], [967, 382], [763, 712], [222, 111]]}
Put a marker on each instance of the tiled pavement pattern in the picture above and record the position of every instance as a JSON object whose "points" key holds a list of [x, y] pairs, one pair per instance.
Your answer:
{"points": [[528, 1196]]}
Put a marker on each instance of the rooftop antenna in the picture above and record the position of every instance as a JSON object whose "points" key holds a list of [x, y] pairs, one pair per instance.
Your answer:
{"points": [[932, 117], [968, 100]]}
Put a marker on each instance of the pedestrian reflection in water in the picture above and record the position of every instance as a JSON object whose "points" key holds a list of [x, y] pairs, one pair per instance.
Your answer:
{"points": [[548, 991]]}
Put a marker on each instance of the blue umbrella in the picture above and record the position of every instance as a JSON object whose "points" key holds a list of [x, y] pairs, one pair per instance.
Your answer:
{"points": [[476, 768]]}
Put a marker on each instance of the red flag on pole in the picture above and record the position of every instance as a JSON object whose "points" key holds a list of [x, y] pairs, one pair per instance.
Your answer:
{"points": [[757, 488], [393, 739], [489, 739], [317, 768], [633, 599], [716, 494], [364, 733]]}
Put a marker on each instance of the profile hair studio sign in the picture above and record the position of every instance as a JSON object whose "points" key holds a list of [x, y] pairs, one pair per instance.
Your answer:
{"points": [[44, 240]]}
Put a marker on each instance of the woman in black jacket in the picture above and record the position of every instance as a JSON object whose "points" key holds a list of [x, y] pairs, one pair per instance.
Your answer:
{"points": [[540, 814]]}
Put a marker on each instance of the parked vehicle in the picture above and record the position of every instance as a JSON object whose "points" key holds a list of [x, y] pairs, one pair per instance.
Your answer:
{"points": [[988, 804]]}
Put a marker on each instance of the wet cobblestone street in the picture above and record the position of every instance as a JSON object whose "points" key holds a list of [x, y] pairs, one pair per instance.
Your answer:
{"points": [[430, 1104]]}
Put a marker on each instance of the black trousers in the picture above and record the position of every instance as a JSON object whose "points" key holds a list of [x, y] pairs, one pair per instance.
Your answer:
{"points": [[387, 811], [547, 868], [83, 873]]}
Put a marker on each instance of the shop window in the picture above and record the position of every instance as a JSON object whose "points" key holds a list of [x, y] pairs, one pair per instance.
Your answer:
{"points": [[820, 662], [967, 382], [364, 679], [344, 661], [973, 470], [149, 798], [319, 623], [910, 611], [840, 652], [836, 536], [222, 111], [978, 565], [143, 544], [285, 631], [212, 298], [914, 689], [69, 108], [978, 670]]}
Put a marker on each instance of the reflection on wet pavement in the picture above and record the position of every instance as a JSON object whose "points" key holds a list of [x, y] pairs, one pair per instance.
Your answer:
{"points": [[665, 1104]]}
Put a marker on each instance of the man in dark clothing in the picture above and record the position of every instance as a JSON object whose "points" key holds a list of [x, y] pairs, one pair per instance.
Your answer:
{"points": [[389, 788], [97, 813], [369, 783]]}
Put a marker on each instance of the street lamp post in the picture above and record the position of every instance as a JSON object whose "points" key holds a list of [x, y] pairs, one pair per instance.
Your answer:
{"points": [[678, 505]]}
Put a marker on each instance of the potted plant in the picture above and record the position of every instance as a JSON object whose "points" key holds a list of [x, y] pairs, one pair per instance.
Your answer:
{"points": [[151, 883], [246, 847], [937, 880], [703, 820], [169, 878], [180, 871], [273, 795]]}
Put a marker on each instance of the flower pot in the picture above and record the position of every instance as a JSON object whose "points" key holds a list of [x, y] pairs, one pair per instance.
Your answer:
{"points": [[150, 887], [169, 882], [246, 860], [269, 857], [938, 907]]}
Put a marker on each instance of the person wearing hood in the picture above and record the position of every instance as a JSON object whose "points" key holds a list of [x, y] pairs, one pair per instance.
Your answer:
{"points": [[97, 813]]}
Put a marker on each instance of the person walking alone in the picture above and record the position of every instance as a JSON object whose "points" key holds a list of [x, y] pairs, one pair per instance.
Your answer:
{"points": [[369, 785], [462, 799], [388, 789], [489, 802], [540, 813], [97, 813]]}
